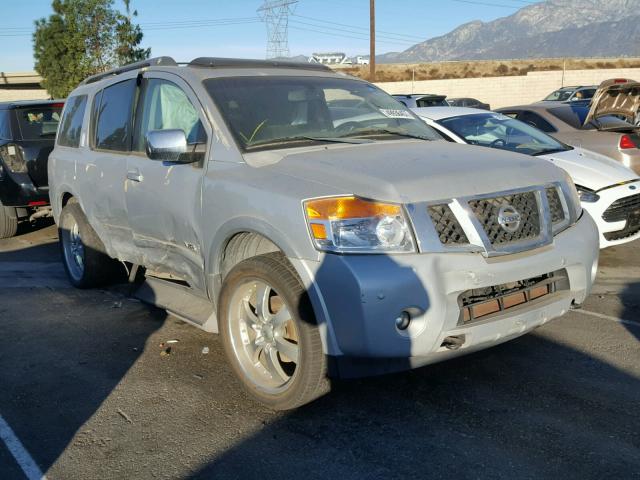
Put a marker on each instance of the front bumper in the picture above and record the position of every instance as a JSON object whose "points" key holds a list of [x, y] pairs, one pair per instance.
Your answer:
{"points": [[358, 297], [597, 209]]}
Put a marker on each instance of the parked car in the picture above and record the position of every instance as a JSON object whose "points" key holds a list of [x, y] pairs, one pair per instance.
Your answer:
{"points": [[468, 102], [609, 191], [315, 250], [572, 94], [417, 100], [27, 133], [572, 124]]}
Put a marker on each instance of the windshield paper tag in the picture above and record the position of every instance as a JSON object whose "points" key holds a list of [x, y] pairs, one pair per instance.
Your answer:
{"points": [[395, 113]]}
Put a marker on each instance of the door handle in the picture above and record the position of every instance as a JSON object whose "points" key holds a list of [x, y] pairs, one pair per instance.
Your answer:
{"points": [[134, 175]]}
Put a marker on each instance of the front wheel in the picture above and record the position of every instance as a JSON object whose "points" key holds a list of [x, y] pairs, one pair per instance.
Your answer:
{"points": [[270, 334], [83, 253]]}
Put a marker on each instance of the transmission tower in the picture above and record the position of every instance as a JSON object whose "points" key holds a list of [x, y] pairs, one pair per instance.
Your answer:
{"points": [[275, 13]]}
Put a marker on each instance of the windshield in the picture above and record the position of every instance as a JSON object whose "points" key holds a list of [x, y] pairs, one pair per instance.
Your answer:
{"points": [[561, 95], [499, 131], [38, 122], [283, 112]]}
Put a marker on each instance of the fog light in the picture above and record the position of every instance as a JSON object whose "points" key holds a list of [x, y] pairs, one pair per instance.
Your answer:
{"points": [[403, 320]]}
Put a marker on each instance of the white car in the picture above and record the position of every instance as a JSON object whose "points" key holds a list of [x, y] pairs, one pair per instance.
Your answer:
{"points": [[609, 191]]}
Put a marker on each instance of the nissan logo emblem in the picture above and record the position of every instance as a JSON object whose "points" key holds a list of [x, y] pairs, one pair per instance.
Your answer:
{"points": [[509, 218]]}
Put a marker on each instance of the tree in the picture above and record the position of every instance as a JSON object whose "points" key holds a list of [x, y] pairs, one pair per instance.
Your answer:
{"points": [[129, 37], [82, 38]]}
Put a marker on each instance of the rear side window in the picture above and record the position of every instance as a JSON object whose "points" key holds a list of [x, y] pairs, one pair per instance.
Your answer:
{"points": [[39, 122], [5, 127], [113, 125], [71, 128], [537, 121]]}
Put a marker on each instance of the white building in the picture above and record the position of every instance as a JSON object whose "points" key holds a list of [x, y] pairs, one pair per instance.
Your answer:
{"points": [[331, 58]]}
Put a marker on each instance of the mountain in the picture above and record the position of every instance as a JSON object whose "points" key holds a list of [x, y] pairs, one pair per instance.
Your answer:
{"points": [[554, 28]]}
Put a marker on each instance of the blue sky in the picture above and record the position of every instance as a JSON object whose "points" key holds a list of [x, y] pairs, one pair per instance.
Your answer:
{"points": [[187, 29]]}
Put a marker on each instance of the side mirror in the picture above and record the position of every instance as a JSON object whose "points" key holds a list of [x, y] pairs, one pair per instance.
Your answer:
{"points": [[166, 145]]}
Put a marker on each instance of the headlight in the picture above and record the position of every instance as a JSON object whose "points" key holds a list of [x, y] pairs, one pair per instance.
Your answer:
{"points": [[587, 195], [351, 224]]}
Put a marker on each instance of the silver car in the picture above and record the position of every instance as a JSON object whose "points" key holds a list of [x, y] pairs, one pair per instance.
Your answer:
{"points": [[605, 125], [311, 219]]}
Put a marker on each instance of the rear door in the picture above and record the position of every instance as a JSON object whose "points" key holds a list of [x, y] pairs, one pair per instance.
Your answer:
{"points": [[35, 135], [164, 198], [101, 175]]}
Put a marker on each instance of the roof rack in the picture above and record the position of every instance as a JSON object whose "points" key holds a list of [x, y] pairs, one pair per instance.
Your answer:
{"points": [[151, 62], [215, 62]]}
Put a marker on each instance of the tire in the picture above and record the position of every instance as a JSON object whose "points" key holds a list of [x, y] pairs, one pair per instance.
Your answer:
{"points": [[8, 221], [288, 326], [83, 253]]}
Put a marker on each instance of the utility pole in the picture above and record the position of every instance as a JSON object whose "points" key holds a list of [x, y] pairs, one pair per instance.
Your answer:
{"points": [[372, 40], [275, 13]]}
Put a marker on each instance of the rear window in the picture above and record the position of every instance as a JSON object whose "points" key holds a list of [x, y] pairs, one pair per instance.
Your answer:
{"points": [[72, 121], [38, 122], [113, 126], [575, 115]]}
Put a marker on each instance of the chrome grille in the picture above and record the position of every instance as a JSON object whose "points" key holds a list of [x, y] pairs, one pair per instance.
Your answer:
{"points": [[526, 204], [449, 230], [555, 205]]}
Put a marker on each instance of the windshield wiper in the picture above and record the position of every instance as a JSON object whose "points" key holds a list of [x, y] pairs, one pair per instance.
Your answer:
{"points": [[386, 131], [549, 151], [298, 138]]}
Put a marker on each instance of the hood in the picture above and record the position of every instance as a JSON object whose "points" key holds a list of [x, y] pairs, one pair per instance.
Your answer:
{"points": [[590, 169], [615, 97], [405, 171]]}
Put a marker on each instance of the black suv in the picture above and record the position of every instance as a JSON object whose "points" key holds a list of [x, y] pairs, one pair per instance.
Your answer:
{"points": [[27, 134]]}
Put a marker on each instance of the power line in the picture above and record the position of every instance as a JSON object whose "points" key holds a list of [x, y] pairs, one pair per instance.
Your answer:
{"points": [[358, 28], [275, 13], [391, 39]]}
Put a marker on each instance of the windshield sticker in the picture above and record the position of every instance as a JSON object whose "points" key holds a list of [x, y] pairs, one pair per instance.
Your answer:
{"points": [[395, 113]]}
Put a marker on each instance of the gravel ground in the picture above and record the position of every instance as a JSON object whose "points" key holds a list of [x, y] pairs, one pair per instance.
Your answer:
{"points": [[85, 388]]}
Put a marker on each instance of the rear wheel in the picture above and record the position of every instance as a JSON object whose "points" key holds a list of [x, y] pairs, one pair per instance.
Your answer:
{"points": [[8, 221], [83, 253], [270, 334]]}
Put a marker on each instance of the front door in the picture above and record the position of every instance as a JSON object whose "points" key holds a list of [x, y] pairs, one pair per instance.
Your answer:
{"points": [[164, 198]]}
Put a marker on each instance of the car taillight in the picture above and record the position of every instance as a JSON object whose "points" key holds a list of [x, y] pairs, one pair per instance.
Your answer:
{"points": [[12, 157], [627, 142]]}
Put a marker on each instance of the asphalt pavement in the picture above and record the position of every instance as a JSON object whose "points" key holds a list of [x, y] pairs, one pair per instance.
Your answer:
{"points": [[89, 390]]}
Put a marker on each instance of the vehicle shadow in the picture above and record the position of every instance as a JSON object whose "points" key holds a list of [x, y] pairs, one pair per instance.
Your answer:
{"points": [[630, 298], [531, 408], [64, 351], [26, 227], [535, 407]]}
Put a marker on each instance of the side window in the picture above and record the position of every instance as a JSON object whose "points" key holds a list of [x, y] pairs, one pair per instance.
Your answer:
{"points": [[5, 127], [113, 125], [71, 128], [536, 120], [166, 106]]}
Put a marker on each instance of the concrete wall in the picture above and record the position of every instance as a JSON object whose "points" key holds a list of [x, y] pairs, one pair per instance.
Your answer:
{"points": [[510, 91], [10, 94], [21, 86]]}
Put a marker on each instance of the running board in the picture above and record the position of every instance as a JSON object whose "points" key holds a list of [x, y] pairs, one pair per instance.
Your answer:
{"points": [[179, 301]]}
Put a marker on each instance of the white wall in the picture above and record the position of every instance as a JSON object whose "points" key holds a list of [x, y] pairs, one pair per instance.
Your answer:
{"points": [[509, 91], [10, 94]]}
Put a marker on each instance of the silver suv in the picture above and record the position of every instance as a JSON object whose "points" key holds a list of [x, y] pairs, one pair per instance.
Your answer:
{"points": [[311, 219]]}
